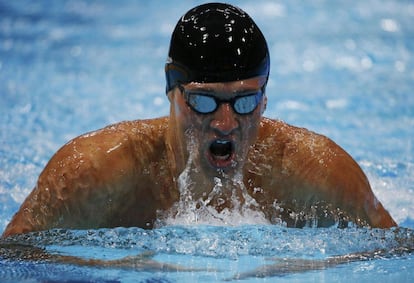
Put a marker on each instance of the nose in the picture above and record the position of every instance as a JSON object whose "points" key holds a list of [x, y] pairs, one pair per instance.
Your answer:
{"points": [[224, 120]]}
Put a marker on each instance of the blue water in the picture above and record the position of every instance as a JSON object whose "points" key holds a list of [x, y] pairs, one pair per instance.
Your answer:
{"points": [[341, 68]]}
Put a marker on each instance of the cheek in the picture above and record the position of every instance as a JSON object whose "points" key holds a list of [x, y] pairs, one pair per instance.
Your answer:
{"points": [[187, 119]]}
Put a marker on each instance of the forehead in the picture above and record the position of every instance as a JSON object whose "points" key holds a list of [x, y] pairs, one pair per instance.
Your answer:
{"points": [[229, 87]]}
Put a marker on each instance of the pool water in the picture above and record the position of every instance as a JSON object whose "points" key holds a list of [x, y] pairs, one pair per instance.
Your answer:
{"points": [[341, 68]]}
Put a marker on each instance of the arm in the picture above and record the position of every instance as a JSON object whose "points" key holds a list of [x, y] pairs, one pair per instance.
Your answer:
{"points": [[85, 183]]}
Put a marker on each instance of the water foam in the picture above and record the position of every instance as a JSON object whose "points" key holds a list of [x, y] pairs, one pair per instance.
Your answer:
{"points": [[189, 211], [192, 210]]}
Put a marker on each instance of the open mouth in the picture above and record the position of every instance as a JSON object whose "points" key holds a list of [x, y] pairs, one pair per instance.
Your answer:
{"points": [[221, 150]]}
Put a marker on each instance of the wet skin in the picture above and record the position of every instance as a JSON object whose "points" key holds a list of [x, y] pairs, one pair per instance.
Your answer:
{"points": [[198, 133], [125, 174]]}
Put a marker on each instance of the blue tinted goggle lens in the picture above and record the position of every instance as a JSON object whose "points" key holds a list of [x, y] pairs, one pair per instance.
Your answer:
{"points": [[206, 103]]}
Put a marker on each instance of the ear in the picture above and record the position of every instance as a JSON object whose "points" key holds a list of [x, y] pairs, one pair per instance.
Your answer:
{"points": [[264, 105], [172, 92], [170, 95]]}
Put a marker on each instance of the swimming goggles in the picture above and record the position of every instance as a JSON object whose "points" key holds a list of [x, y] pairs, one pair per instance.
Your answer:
{"points": [[205, 102]]}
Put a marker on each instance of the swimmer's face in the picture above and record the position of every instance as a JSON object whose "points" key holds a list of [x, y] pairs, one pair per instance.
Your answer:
{"points": [[219, 120]]}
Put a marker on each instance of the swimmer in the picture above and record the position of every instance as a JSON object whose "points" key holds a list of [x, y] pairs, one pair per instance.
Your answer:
{"points": [[132, 173]]}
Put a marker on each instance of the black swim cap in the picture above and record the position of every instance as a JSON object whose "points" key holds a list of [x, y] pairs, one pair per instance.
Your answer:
{"points": [[216, 43]]}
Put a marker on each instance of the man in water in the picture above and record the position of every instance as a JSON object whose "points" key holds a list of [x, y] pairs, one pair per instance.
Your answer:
{"points": [[215, 153]]}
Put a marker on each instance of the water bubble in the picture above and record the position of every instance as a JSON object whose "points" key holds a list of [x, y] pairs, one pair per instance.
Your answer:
{"points": [[389, 25], [399, 66]]}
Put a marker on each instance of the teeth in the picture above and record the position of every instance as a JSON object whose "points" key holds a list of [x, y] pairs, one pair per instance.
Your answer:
{"points": [[221, 149], [222, 157]]}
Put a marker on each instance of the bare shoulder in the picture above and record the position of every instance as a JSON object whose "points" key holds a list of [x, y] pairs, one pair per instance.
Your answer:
{"points": [[115, 146], [308, 167], [311, 159], [297, 144], [102, 158], [95, 180]]}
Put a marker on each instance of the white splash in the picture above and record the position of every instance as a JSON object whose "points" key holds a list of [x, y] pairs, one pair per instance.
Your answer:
{"points": [[200, 211]]}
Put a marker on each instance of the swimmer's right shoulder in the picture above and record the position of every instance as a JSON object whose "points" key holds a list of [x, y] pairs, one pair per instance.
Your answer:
{"points": [[120, 145], [136, 131], [92, 176], [149, 127], [146, 137]]}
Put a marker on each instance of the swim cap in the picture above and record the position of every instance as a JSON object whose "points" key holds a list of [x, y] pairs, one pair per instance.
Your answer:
{"points": [[216, 43]]}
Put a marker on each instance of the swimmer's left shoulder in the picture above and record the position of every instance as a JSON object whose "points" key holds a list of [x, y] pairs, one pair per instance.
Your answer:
{"points": [[156, 125], [301, 142], [278, 128]]}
